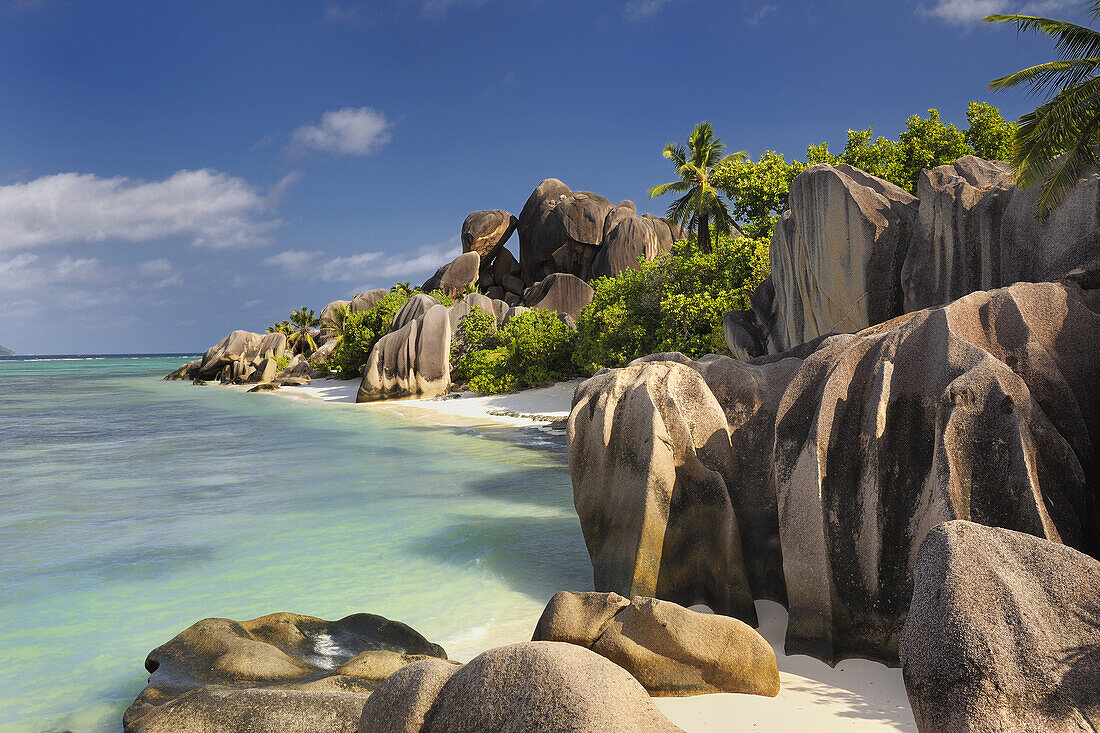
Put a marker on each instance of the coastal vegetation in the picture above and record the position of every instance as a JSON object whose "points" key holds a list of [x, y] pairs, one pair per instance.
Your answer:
{"points": [[1056, 140], [758, 190], [673, 303], [701, 208], [533, 349]]}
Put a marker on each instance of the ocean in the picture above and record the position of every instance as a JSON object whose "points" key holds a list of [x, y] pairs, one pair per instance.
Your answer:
{"points": [[131, 508]]}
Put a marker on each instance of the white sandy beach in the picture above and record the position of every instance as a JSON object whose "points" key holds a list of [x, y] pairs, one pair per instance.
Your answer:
{"points": [[856, 695]]}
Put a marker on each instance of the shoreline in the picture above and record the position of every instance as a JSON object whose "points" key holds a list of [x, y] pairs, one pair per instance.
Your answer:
{"points": [[544, 409]]}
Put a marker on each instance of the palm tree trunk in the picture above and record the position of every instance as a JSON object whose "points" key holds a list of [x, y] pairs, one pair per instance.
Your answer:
{"points": [[703, 236]]}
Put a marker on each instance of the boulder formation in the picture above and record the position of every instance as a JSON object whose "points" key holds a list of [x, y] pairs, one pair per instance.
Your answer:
{"points": [[485, 232], [671, 650], [564, 231], [987, 410], [456, 276], [853, 250], [242, 349], [414, 358], [366, 301], [284, 670], [1033, 664], [566, 294], [536, 686]]}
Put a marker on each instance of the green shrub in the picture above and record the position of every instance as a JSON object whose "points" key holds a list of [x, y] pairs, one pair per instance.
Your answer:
{"points": [[532, 350], [282, 361], [674, 303]]}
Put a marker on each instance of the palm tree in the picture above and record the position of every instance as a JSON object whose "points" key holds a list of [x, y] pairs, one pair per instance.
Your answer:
{"points": [[334, 324], [1069, 122], [301, 320], [701, 207]]}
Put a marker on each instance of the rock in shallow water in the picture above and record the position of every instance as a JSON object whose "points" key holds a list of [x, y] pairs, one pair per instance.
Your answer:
{"points": [[536, 686], [290, 664], [671, 650], [1003, 633]]}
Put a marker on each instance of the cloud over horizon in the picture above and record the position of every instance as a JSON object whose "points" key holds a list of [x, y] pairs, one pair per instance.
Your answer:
{"points": [[215, 209], [358, 131]]}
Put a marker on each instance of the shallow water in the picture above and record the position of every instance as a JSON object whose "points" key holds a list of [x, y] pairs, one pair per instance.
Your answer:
{"points": [[131, 508]]}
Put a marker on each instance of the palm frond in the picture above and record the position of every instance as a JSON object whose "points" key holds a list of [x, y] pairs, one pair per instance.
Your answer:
{"points": [[680, 210], [675, 186], [1071, 40], [1051, 75], [1053, 128], [676, 153]]}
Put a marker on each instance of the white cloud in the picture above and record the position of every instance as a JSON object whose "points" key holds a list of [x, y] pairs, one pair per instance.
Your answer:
{"points": [[347, 131], [963, 12], [213, 209], [377, 269], [761, 12], [639, 10]]}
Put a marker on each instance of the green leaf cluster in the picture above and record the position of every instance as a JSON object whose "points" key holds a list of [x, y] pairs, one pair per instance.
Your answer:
{"points": [[533, 349], [674, 303], [759, 189]]}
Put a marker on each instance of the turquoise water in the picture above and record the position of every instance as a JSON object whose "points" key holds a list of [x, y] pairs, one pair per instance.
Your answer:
{"points": [[131, 508]]}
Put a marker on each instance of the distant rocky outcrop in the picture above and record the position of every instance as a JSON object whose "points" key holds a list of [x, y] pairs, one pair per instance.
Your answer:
{"points": [[234, 358], [853, 250], [566, 231], [671, 650], [414, 358], [536, 686], [6, 352], [279, 672], [1003, 633], [987, 409]]}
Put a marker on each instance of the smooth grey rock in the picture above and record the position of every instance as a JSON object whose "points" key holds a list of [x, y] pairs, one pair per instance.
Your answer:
{"points": [[208, 677], [413, 360], [241, 347], [543, 686], [987, 409], [366, 301], [401, 703], [837, 254], [414, 308], [457, 275], [632, 239], [671, 650], [1003, 633], [188, 371], [560, 292], [540, 233], [485, 232], [265, 371], [330, 309]]}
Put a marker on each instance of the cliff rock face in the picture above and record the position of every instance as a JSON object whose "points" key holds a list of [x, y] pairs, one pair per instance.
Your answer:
{"points": [[986, 410], [853, 251], [837, 254], [1033, 664]]}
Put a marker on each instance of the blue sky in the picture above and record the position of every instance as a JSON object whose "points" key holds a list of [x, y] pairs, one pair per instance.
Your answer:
{"points": [[170, 171]]}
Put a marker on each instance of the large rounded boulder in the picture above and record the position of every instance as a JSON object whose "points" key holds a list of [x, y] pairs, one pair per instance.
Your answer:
{"points": [[291, 665], [561, 292], [457, 275], [536, 686], [485, 232], [671, 650], [1003, 633]]}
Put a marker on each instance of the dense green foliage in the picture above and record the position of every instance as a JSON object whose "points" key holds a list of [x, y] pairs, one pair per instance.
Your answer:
{"points": [[533, 349], [674, 303], [701, 208], [1057, 140], [759, 189]]}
